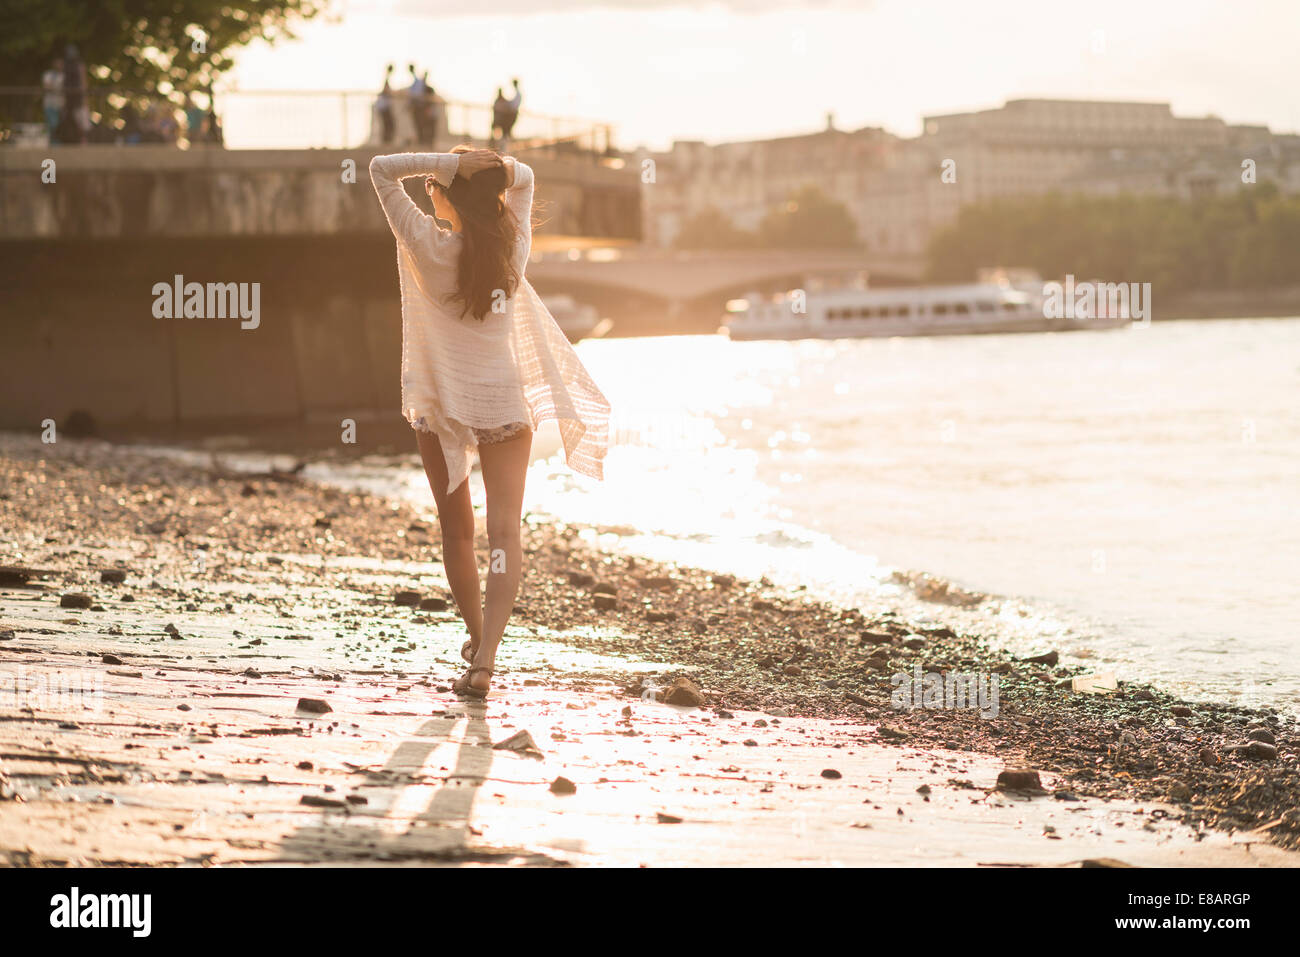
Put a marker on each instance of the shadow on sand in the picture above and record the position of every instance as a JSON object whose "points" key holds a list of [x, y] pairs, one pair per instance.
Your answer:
{"points": [[415, 811]]}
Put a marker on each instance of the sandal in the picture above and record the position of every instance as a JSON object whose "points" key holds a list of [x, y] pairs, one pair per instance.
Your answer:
{"points": [[467, 651], [463, 687]]}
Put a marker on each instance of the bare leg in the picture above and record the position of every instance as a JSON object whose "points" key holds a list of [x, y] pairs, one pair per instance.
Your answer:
{"points": [[456, 518], [505, 467]]}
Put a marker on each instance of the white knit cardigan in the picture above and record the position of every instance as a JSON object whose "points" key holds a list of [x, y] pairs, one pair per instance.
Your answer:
{"points": [[461, 373]]}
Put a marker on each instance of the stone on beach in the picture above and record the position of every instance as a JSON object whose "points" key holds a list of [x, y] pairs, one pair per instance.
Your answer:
{"points": [[1259, 751], [112, 576], [75, 600], [316, 800], [562, 785], [683, 691], [1050, 659], [1019, 779], [409, 598], [521, 742], [314, 705]]}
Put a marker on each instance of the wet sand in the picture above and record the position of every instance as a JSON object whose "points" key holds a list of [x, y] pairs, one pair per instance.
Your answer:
{"points": [[160, 722]]}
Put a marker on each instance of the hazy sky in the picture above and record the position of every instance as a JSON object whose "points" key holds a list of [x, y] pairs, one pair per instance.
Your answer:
{"points": [[752, 68]]}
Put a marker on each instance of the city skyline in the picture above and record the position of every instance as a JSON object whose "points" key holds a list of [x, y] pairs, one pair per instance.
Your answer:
{"points": [[762, 70]]}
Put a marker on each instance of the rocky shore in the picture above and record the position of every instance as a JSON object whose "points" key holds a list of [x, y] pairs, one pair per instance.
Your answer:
{"points": [[258, 574]]}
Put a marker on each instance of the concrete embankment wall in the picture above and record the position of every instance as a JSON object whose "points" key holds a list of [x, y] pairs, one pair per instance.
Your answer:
{"points": [[78, 333]]}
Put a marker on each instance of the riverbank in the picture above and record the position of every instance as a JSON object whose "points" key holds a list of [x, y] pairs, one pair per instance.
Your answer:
{"points": [[231, 599]]}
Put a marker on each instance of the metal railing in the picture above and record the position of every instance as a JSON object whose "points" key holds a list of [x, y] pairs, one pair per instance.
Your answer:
{"points": [[290, 119]]}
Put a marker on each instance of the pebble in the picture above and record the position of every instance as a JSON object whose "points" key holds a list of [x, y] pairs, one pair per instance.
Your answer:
{"points": [[75, 600], [113, 576], [315, 800], [314, 705], [562, 785], [1259, 751], [521, 742], [1020, 779], [831, 774], [684, 691]]}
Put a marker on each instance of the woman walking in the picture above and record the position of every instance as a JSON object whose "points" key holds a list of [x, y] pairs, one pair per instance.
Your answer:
{"points": [[483, 364]]}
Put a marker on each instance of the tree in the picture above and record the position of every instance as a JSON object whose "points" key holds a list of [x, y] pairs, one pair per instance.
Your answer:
{"points": [[140, 45], [1250, 238], [809, 219], [711, 229]]}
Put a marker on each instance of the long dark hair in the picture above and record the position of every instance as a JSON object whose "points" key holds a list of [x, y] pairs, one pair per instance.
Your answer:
{"points": [[489, 230]]}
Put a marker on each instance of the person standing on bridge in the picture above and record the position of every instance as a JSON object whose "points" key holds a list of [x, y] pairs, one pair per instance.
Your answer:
{"points": [[52, 101], [483, 364], [510, 115]]}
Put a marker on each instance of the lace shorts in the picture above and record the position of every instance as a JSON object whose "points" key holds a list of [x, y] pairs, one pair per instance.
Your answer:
{"points": [[485, 436], [501, 434]]}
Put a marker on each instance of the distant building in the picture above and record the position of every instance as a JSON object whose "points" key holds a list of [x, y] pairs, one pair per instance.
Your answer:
{"points": [[746, 180], [897, 191]]}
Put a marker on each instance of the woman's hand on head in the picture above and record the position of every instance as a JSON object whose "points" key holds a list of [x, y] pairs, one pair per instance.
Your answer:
{"points": [[475, 161]]}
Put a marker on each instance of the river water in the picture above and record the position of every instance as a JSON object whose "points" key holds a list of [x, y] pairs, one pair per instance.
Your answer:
{"points": [[1142, 485]]}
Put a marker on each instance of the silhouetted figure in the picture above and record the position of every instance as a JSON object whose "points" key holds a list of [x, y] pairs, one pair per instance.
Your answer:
{"points": [[52, 98], [131, 132], [511, 114], [500, 107], [384, 108], [215, 136], [415, 103], [429, 114], [75, 121], [194, 119]]}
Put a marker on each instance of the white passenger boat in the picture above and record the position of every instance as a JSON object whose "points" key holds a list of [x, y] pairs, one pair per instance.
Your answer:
{"points": [[902, 311]]}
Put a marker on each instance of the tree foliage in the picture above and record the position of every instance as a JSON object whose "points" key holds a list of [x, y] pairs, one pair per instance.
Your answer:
{"points": [[808, 219], [710, 228], [140, 45], [1248, 239]]}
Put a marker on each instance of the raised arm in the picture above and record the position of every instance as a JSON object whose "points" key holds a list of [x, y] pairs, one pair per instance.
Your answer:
{"points": [[408, 222], [519, 198]]}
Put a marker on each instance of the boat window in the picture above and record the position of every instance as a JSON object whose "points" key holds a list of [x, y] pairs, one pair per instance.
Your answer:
{"points": [[961, 309], [866, 312], [984, 306], [1009, 307], [939, 309]]}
